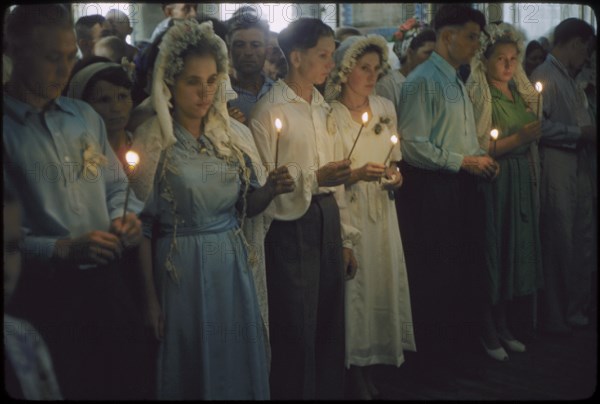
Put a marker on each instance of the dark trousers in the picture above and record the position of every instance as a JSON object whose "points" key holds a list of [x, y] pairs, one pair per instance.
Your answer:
{"points": [[441, 221], [305, 284], [92, 326]]}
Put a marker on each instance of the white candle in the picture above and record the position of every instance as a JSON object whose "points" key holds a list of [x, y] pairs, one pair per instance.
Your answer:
{"points": [[132, 159], [538, 88], [278, 126], [394, 140], [365, 119], [494, 135]]}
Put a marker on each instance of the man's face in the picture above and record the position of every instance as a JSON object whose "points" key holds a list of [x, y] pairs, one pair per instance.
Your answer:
{"points": [[248, 50], [578, 52], [464, 42], [45, 65], [316, 63], [182, 10]]}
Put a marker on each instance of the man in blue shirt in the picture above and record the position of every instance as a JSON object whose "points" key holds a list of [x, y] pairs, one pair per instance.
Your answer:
{"points": [[440, 207], [58, 161], [247, 42]]}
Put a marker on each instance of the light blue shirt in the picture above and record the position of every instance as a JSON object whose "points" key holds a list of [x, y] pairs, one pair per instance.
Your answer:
{"points": [[43, 164], [564, 105], [160, 28], [246, 100], [435, 118]]}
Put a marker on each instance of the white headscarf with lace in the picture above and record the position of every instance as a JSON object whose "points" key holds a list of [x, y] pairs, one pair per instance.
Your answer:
{"points": [[229, 137], [345, 57], [477, 84], [481, 97]]}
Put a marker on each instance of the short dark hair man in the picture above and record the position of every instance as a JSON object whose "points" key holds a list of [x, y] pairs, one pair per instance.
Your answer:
{"points": [[248, 42], [90, 29]]}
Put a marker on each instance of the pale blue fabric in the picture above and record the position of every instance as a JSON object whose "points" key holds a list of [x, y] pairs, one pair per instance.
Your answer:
{"points": [[43, 163], [247, 100], [214, 348], [562, 104], [435, 120]]}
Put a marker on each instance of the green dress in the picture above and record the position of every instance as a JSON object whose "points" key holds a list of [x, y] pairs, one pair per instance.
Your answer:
{"points": [[512, 233]]}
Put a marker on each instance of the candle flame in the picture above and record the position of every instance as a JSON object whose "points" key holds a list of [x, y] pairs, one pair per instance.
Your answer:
{"points": [[132, 158], [538, 87], [394, 139], [278, 124], [494, 134], [365, 117]]}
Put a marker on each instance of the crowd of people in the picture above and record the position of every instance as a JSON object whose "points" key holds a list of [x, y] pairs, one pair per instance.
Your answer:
{"points": [[298, 211]]}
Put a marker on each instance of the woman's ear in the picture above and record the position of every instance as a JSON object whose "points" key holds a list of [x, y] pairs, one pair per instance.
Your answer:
{"points": [[295, 58]]}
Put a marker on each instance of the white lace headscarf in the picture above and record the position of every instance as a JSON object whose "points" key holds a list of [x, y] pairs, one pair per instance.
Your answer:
{"points": [[345, 57], [481, 97], [156, 134], [228, 136], [477, 84]]}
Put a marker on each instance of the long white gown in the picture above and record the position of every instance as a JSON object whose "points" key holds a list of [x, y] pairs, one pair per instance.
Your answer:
{"points": [[378, 312]]}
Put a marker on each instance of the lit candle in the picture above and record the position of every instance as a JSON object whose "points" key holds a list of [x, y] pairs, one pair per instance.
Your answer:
{"points": [[394, 140], [132, 159], [365, 119], [494, 135], [278, 126], [538, 88]]}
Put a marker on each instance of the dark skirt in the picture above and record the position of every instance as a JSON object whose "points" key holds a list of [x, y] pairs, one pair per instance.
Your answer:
{"points": [[305, 283]]}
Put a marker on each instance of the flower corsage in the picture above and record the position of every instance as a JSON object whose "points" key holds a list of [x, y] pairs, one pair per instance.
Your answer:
{"points": [[93, 159], [384, 120]]}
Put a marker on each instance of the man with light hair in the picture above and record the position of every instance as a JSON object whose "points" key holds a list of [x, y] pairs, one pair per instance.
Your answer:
{"points": [[111, 47], [121, 26], [177, 11]]}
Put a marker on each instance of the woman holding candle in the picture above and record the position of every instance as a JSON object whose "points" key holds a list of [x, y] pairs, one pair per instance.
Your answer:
{"points": [[197, 173], [377, 298], [505, 100]]}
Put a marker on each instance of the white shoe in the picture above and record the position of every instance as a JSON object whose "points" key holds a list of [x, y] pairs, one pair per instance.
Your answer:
{"points": [[498, 354], [513, 345], [578, 320]]}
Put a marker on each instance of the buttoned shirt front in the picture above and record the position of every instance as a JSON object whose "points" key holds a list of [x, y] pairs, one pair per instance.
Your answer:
{"points": [[246, 100], [306, 143], [565, 105], [436, 121], [44, 160]]}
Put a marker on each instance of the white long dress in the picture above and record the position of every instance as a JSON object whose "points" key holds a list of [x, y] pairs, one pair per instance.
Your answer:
{"points": [[378, 312]]}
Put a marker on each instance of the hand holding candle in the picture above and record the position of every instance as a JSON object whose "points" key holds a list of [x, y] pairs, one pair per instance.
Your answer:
{"points": [[538, 88], [494, 135], [278, 126], [132, 159], [365, 119]]}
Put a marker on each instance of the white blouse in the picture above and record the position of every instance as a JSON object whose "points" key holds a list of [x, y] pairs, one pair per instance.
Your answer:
{"points": [[308, 140]]}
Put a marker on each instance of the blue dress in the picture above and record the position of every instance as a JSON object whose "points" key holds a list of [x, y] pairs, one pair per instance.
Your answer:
{"points": [[214, 346]]}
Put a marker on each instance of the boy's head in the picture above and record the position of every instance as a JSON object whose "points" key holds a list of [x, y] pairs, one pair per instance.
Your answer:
{"points": [[308, 45]]}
